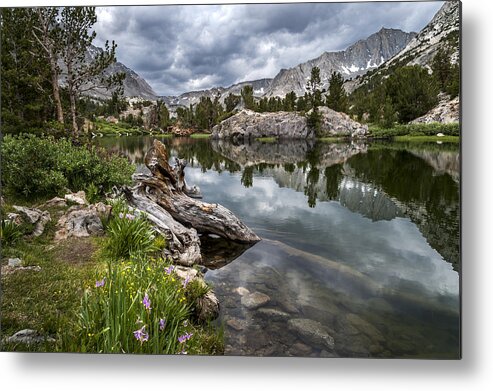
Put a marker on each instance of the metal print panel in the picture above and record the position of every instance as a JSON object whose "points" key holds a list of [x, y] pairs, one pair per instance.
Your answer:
{"points": [[261, 180]]}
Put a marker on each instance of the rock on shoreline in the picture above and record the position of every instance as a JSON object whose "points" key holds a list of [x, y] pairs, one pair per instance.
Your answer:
{"points": [[248, 124]]}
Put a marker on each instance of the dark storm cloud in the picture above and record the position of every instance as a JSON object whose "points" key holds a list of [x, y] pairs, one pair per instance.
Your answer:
{"points": [[183, 48]]}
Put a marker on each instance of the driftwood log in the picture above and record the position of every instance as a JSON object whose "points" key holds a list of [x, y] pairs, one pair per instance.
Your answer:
{"points": [[167, 200]]}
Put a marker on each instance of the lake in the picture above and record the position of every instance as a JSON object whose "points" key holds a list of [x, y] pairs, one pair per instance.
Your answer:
{"points": [[360, 244]]}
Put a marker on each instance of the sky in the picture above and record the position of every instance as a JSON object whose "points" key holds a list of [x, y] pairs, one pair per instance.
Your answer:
{"points": [[192, 47]]}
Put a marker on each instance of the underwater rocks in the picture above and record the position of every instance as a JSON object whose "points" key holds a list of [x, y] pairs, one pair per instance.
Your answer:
{"points": [[254, 300], [312, 332]]}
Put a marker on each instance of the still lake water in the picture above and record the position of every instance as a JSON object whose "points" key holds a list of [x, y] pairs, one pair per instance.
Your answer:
{"points": [[359, 241]]}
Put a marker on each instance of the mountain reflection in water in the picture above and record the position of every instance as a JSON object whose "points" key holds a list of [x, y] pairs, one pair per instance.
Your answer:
{"points": [[362, 239]]}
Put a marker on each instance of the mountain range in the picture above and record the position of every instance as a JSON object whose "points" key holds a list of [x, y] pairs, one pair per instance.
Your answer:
{"points": [[442, 32], [377, 54]]}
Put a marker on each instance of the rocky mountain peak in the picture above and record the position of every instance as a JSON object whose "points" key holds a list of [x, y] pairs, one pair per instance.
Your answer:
{"points": [[357, 59], [133, 84]]}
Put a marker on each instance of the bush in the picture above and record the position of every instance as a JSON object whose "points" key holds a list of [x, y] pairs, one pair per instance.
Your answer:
{"points": [[129, 234], [36, 167], [138, 307]]}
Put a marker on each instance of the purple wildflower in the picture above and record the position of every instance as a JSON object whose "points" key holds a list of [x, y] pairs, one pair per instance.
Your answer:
{"points": [[185, 283], [100, 284], [147, 302], [141, 334], [162, 324], [120, 215], [129, 216], [185, 337], [169, 270]]}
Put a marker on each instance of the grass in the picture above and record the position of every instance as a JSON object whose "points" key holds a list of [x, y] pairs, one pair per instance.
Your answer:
{"points": [[111, 129], [431, 129], [200, 135], [62, 301], [267, 139], [45, 301], [422, 139]]}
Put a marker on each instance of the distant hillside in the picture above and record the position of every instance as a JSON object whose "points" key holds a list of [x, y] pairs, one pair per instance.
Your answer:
{"points": [[193, 97], [133, 85]]}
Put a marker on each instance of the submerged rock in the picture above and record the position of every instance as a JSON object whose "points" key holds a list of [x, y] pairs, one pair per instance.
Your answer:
{"points": [[254, 300], [312, 332], [365, 327], [242, 291], [273, 314], [236, 324], [300, 350]]}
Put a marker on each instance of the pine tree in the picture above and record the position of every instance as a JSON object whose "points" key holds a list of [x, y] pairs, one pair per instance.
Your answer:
{"points": [[313, 87], [314, 118], [231, 101], [46, 31], [74, 39], [413, 92], [25, 77], [247, 96], [289, 103], [337, 98]]}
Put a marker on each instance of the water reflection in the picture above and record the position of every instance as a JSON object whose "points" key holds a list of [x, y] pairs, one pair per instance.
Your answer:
{"points": [[362, 239]]}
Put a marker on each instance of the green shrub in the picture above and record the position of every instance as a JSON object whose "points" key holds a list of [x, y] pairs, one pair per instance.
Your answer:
{"points": [[36, 167], [129, 234], [137, 307], [92, 193]]}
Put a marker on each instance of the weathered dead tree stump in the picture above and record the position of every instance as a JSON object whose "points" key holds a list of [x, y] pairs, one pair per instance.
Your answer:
{"points": [[167, 200]]}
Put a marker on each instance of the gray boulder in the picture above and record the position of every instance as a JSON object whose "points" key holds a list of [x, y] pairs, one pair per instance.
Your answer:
{"points": [[34, 216], [447, 111], [335, 124], [77, 198], [28, 337], [82, 222], [247, 125], [14, 262]]}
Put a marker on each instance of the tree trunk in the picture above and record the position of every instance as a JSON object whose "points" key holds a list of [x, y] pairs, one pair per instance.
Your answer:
{"points": [[73, 114], [56, 91], [163, 196]]}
